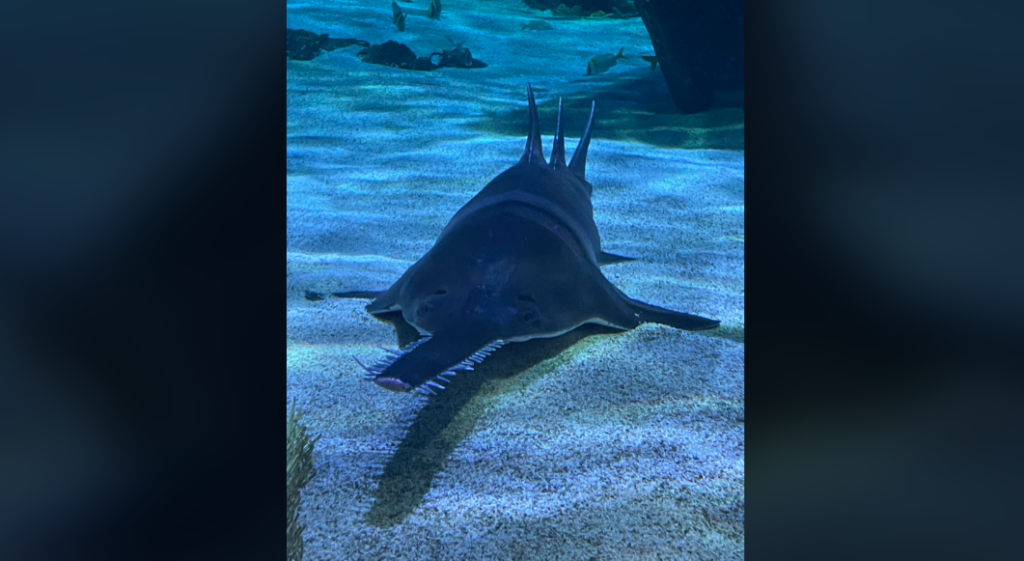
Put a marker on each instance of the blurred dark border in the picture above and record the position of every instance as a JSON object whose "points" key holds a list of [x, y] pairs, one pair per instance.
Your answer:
{"points": [[884, 274], [142, 239], [142, 235]]}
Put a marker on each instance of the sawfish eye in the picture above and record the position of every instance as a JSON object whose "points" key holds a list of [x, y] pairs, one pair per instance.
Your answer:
{"points": [[424, 309], [528, 316]]}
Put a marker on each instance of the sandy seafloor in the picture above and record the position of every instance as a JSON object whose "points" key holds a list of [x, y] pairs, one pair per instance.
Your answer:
{"points": [[593, 445]]}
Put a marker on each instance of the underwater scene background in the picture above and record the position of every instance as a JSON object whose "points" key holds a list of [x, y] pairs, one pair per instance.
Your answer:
{"points": [[597, 444]]}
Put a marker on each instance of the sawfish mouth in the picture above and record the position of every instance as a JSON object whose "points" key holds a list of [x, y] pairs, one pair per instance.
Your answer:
{"points": [[393, 384]]}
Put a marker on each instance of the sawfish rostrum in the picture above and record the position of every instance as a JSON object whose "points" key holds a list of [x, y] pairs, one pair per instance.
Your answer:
{"points": [[520, 260]]}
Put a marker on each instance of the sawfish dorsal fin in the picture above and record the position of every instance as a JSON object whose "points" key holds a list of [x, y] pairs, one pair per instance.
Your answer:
{"points": [[558, 149], [534, 149], [578, 164]]}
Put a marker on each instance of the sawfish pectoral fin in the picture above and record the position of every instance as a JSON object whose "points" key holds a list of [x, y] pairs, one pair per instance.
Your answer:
{"points": [[648, 313], [382, 301], [605, 258], [363, 294]]}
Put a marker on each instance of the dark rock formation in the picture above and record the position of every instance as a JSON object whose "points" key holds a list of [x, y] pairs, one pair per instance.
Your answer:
{"points": [[459, 57], [306, 45], [390, 53], [589, 8], [537, 25], [401, 56], [699, 44]]}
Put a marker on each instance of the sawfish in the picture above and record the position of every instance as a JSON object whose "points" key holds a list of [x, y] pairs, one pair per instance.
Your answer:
{"points": [[519, 261]]}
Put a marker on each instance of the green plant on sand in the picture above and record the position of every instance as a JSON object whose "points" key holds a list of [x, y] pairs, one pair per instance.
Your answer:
{"points": [[300, 472]]}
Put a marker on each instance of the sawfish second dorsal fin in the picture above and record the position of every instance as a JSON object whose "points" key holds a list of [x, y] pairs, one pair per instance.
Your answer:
{"points": [[558, 148], [534, 149], [578, 164]]}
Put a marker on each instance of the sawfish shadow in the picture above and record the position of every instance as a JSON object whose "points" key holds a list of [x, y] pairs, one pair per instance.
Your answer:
{"points": [[450, 417]]}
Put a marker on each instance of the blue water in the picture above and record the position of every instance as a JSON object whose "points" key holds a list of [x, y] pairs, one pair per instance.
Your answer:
{"points": [[590, 445]]}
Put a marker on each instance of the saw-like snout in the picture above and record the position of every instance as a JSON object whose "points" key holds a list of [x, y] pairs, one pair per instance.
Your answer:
{"points": [[426, 363]]}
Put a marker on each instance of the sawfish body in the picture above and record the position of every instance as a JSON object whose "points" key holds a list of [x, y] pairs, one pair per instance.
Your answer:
{"points": [[521, 260]]}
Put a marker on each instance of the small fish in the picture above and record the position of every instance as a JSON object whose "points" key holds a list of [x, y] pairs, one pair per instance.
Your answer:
{"points": [[537, 25], [653, 60], [434, 9], [398, 16], [601, 63]]}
